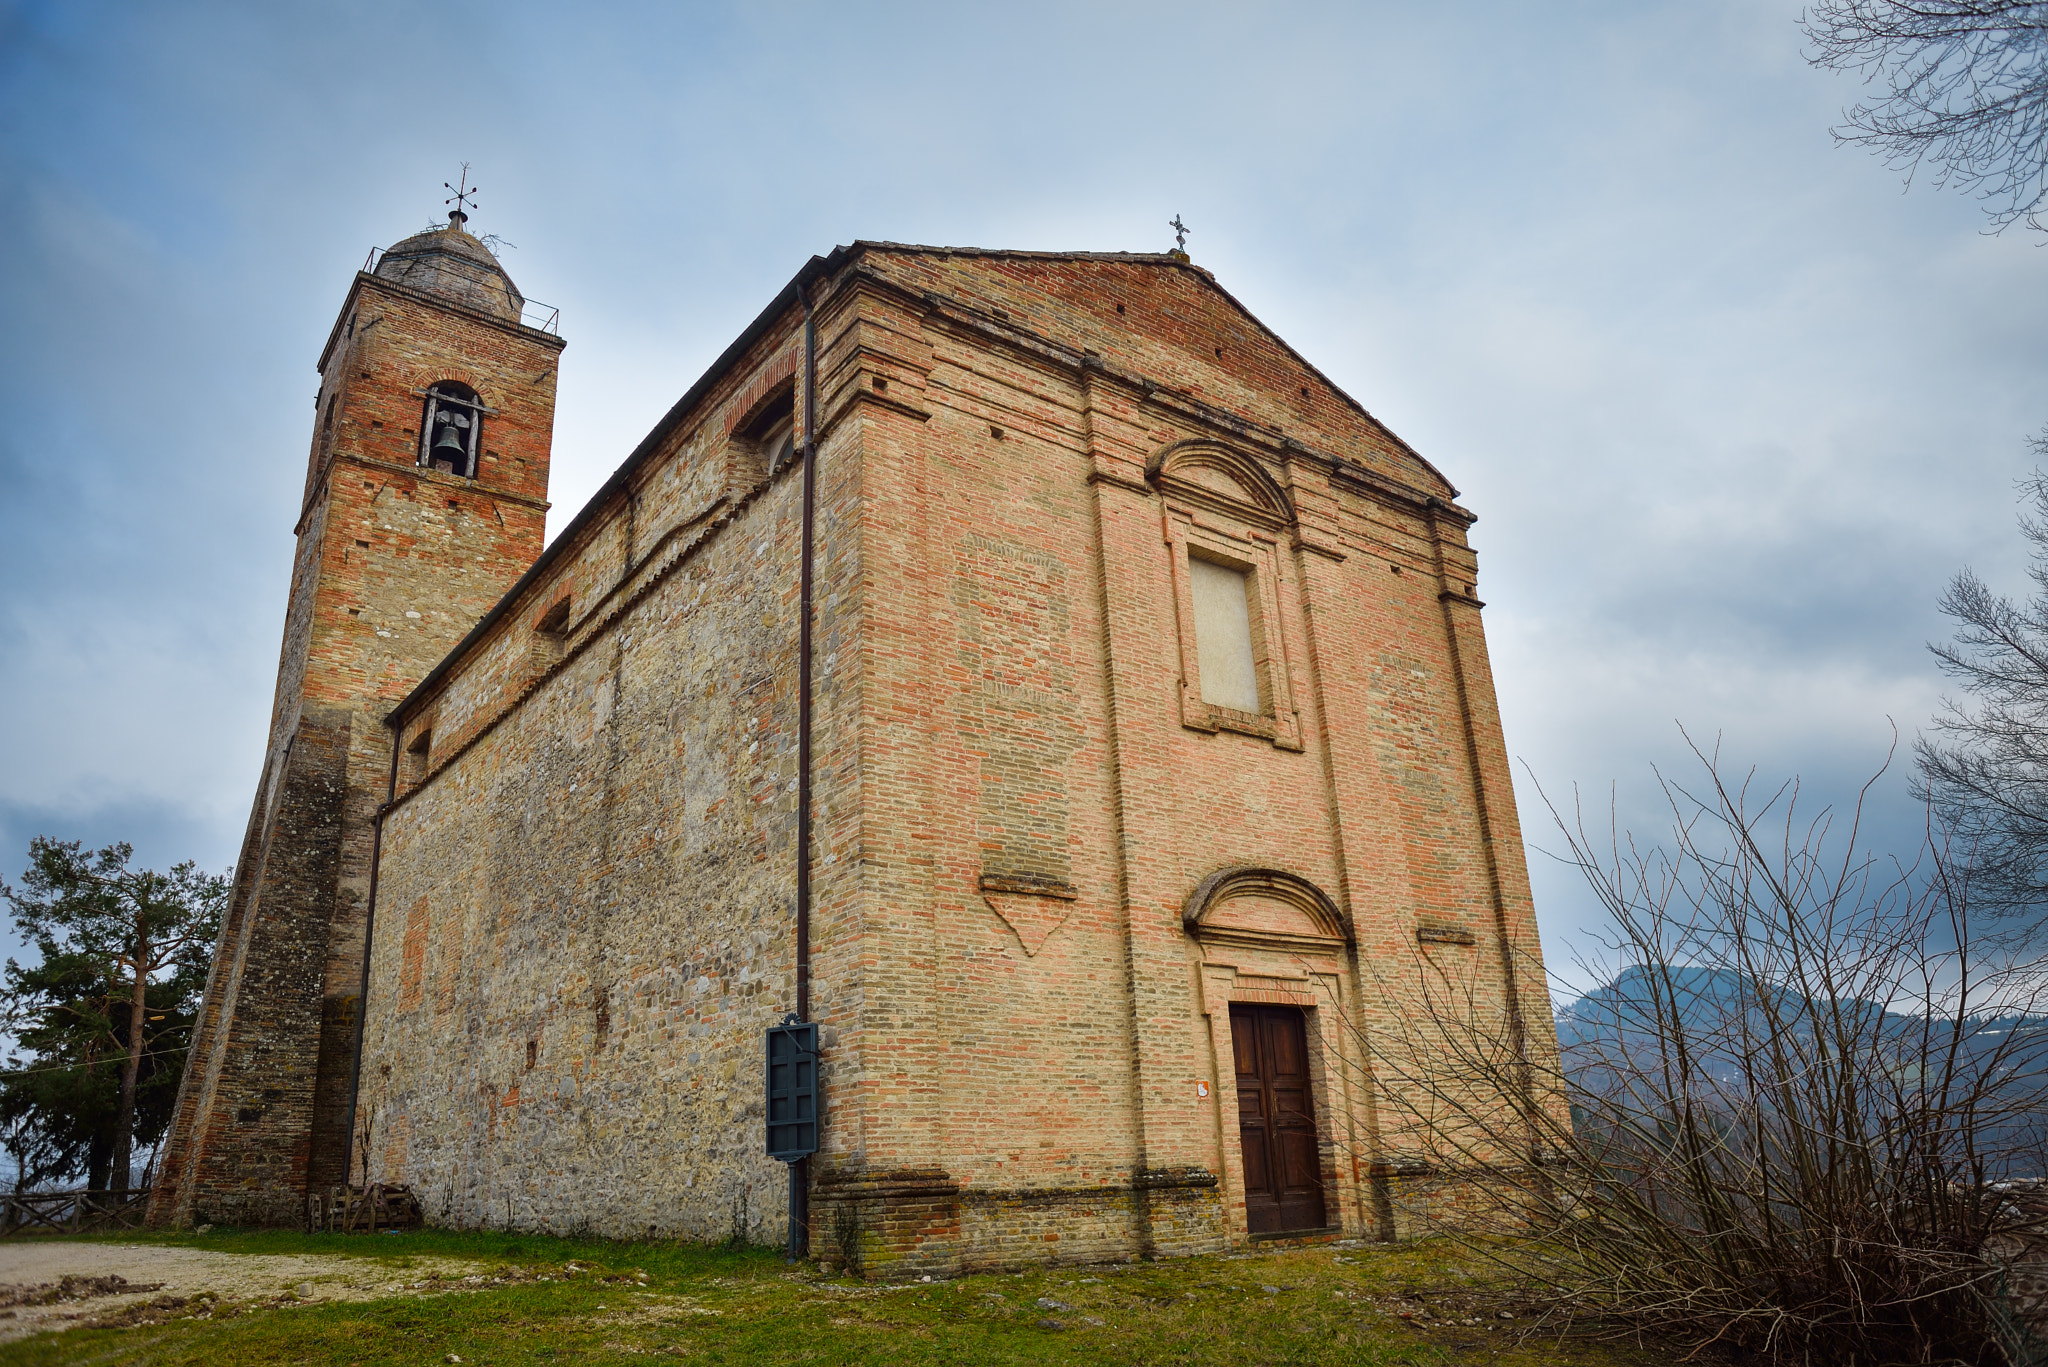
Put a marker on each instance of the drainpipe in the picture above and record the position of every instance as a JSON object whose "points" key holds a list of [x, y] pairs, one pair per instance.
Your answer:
{"points": [[803, 666], [355, 1079], [800, 1171]]}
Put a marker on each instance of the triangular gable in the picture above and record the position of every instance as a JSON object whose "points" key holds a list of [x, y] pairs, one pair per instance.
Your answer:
{"points": [[1169, 306]]}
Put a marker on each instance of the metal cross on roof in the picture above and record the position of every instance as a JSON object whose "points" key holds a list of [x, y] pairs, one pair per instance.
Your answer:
{"points": [[1180, 233], [464, 198]]}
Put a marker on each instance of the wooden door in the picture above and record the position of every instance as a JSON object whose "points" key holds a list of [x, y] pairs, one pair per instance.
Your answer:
{"points": [[1283, 1179]]}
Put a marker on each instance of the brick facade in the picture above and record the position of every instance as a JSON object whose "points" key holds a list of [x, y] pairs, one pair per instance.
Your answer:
{"points": [[395, 564], [1045, 865]]}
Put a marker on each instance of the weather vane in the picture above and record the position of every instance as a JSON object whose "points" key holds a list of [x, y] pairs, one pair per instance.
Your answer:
{"points": [[464, 197], [1180, 234]]}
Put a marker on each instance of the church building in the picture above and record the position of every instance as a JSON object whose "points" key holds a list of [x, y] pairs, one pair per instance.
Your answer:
{"points": [[1025, 665]]}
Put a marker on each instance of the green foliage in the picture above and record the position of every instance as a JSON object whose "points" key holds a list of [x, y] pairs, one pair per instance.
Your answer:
{"points": [[96, 924]]}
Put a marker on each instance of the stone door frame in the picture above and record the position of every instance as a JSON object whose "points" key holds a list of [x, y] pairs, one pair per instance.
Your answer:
{"points": [[1304, 968]]}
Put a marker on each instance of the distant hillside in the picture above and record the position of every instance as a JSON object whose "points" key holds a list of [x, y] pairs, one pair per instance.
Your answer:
{"points": [[1618, 1040]]}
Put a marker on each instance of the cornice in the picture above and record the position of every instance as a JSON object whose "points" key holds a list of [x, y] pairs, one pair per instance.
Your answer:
{"points": [[420, 472], [429, 300], [1110, 477], [640, 579]]}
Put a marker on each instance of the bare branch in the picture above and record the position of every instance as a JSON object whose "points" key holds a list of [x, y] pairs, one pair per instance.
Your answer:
{"points": [[1782, 1122], [1965, 92]]}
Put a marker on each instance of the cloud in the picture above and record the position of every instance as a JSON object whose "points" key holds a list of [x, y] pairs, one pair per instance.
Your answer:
{"points": [[1730, 406]]}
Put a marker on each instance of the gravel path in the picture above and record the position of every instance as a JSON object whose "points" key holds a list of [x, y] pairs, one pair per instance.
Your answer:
{"points": [[75, 1281]]}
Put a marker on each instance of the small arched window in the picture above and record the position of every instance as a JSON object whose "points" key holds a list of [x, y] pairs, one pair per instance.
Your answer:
{"points": [[451, 429], [769, 435], [778, 444]]}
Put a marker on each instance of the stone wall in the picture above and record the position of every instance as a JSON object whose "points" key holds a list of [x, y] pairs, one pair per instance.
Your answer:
{"points": [[584, 901]]}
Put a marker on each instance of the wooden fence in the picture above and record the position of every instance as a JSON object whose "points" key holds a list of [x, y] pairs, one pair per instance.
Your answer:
{"points": [[68, 1212], [340, 1210], [344, 1210]]}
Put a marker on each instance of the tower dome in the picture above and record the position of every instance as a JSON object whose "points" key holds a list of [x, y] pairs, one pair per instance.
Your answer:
{"points": [[449, 262]]}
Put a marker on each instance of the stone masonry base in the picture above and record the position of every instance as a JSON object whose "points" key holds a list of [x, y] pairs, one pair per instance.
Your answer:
{"points": [[920, 1222]]}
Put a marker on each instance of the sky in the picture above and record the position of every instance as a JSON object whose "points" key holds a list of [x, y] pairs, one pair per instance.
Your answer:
{"points": [[1732, 403]]}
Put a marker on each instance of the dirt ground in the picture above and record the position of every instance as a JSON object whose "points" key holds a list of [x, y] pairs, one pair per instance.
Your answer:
{"points": [[50, 1284]]}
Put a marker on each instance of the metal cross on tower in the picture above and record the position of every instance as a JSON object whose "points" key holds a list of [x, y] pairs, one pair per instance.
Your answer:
{"points": [[1180, 234], [464, 198]]}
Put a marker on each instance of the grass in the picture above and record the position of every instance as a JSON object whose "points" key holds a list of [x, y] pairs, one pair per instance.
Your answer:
{"points": [[710, 1305]]}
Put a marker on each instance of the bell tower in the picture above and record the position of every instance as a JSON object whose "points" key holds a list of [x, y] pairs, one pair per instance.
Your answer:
{"points": [[425, 500]]}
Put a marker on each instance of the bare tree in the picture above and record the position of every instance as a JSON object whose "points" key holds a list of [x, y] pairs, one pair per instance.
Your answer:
{"points": [[1965, 90], [1785, 1124], [1985, 767]]}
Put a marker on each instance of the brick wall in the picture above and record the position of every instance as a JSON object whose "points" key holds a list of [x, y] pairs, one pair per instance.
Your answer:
{"points": [[1026, 1019]]}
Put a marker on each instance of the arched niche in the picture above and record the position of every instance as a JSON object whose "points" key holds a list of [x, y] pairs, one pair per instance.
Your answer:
{"points": [[1265, 908], [1210, 472]]}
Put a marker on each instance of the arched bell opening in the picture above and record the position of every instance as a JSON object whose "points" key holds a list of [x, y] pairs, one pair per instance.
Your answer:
{"points": [[451, 429]]}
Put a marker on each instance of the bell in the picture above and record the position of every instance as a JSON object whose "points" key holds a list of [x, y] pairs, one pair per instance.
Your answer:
{"points": [[450, 441]]}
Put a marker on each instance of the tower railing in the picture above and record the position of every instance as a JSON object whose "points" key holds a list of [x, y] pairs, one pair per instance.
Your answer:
{"points": [[532, 313], [543, 317]]}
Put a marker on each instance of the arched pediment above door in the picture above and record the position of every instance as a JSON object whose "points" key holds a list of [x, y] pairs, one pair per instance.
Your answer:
{"points": [[1270, 908]]}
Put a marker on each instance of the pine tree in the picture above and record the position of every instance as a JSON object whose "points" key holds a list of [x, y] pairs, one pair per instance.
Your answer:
{"points": [[103, 1021]]}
